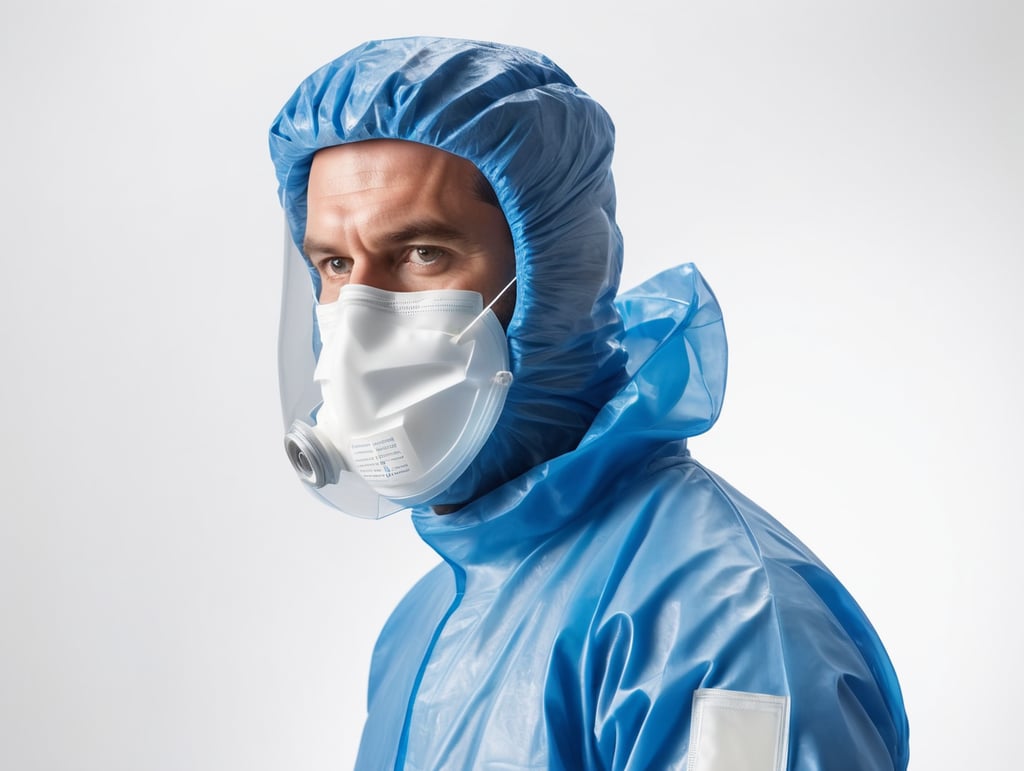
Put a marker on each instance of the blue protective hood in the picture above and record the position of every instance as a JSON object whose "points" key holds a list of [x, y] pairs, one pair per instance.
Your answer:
{"points": [[546, 148]]}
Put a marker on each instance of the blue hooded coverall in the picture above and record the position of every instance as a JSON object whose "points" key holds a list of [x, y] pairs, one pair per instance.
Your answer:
{"points": [[604, 601]]}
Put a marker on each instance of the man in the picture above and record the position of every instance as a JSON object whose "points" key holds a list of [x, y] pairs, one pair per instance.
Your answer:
{"points": [[604, 601]]}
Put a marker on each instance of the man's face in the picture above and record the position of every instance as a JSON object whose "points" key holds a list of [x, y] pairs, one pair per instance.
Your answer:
{"points": [[404, 217]]}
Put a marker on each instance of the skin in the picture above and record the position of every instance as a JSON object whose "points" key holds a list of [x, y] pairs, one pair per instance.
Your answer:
{"points": [[405, 217]]}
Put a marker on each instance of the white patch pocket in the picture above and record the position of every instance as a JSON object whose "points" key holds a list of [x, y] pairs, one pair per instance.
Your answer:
{"points": [[738, 731]]}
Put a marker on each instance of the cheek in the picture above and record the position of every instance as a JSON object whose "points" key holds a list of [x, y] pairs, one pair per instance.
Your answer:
{"points": [[328, 292], [498, 282], [505, 306]]}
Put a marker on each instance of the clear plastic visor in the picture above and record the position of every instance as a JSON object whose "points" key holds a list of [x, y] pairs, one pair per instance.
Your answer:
{"points": [[300, 395]]}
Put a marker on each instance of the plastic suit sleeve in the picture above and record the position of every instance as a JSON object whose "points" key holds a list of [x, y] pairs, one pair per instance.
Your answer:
{"points": [[763, 629]]}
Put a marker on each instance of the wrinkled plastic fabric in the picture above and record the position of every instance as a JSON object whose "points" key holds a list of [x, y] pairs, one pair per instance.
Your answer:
{"points": [[598, 580], [580, 607]]}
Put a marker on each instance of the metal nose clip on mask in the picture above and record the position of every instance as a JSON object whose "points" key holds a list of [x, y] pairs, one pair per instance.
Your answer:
{"points": [[412, 384]]}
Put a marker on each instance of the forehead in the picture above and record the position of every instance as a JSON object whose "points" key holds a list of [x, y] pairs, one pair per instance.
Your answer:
{"points": [[383, 164]]}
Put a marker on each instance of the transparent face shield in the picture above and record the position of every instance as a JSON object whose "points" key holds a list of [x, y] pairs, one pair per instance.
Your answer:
{"points": [[386, 397]]}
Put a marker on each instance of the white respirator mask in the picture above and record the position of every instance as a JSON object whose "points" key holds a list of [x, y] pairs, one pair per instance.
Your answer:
{"points": [[411, 386]]}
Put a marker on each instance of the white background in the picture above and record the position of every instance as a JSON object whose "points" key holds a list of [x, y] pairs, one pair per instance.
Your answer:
{"points": [[848, 175]]}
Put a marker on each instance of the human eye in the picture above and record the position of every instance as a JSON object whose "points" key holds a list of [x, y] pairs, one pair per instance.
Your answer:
{"points": [[425, 255], [335, 266]]}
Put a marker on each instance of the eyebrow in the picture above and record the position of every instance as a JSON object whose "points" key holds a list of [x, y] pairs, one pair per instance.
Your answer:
{"points": [[425, 228], [413, 231], [312, 246]]}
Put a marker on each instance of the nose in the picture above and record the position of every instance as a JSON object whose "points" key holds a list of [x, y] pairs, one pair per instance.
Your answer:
{"points": [[364, 272], [368, 273]]}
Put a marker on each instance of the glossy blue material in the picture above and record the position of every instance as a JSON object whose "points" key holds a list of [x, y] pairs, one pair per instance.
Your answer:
{"points": [[598, 575]]}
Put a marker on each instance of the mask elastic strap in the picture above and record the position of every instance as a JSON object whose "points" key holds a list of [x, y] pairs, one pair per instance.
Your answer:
{"points": [[458, 338]]}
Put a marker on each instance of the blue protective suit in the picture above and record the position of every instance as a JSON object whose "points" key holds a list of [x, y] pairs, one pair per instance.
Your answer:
{"points": [[599, 577]]}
